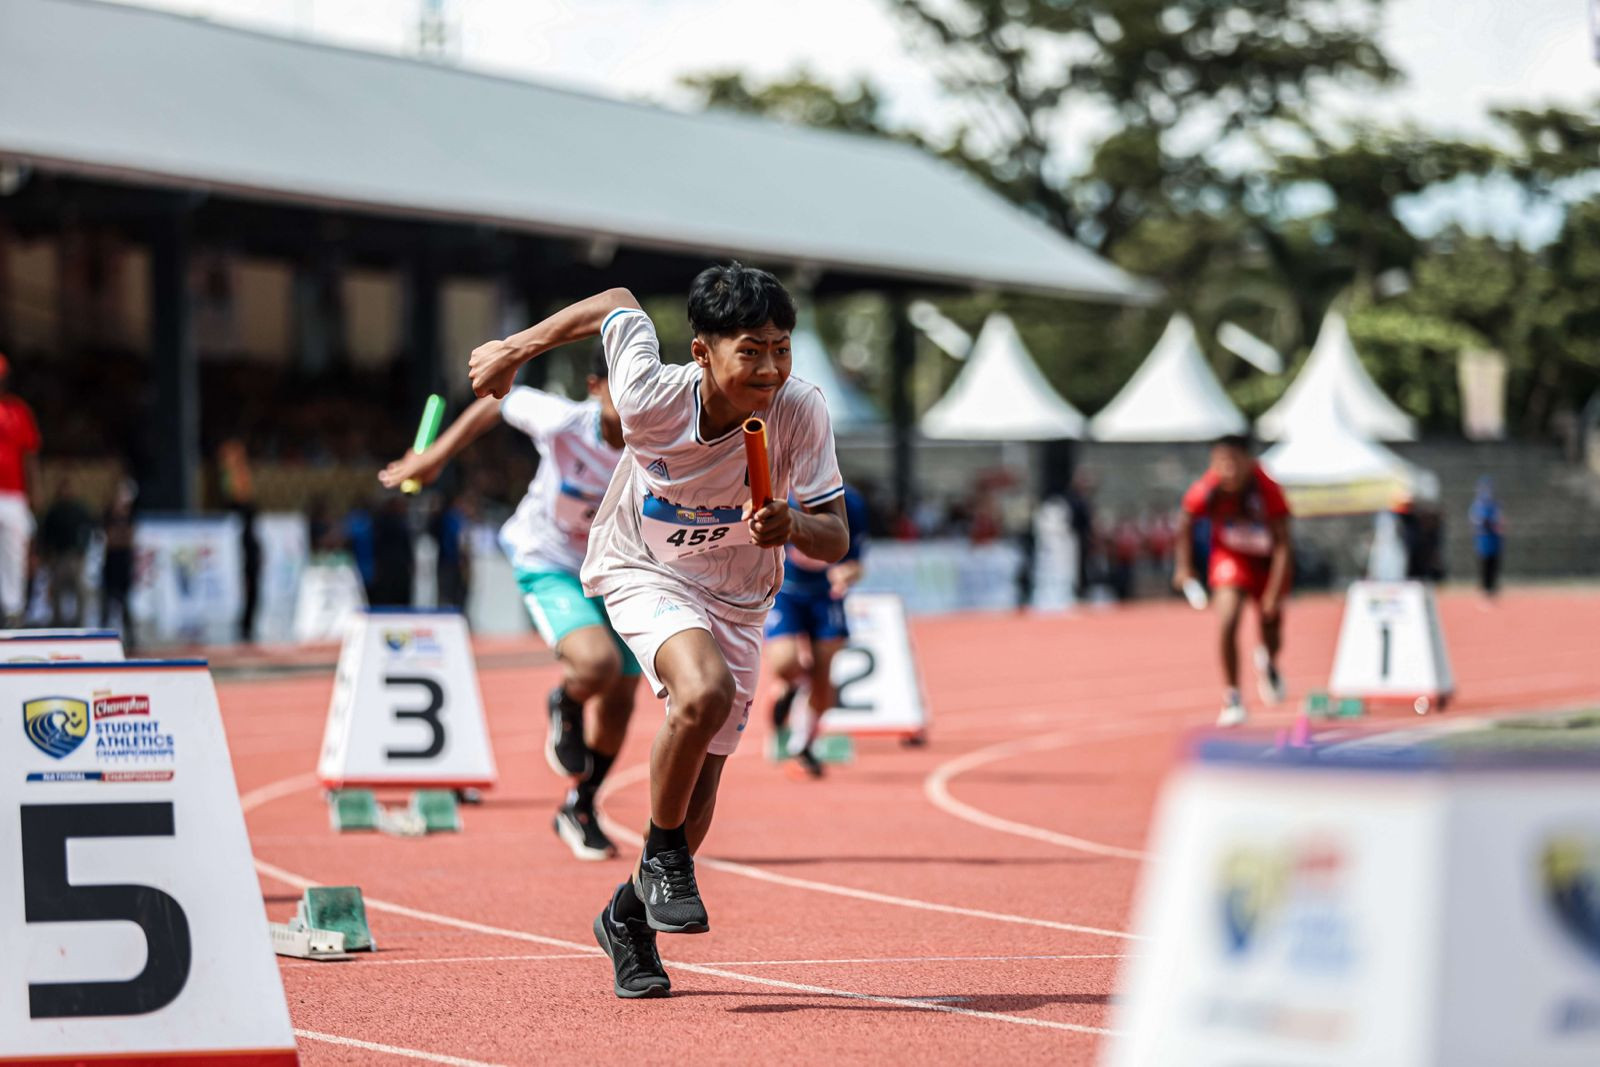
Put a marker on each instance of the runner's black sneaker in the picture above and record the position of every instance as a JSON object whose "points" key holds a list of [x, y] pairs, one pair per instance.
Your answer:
{"points": [[808, 763], [576, 825], [631, 944], [665, 882], [781, 706], [564, 746]]}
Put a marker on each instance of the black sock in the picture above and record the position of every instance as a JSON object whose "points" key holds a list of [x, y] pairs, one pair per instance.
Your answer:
{"points": [[660, 840], [780, 708], [625, 903], [599, 766]]}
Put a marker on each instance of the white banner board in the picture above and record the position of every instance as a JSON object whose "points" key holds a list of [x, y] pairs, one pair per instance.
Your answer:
{"points": [[1327, 917], [46, 646], [188, 583], [118, 942], [406, 710]]}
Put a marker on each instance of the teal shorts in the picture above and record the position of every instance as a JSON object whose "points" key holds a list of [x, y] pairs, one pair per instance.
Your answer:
{"points": [[557, 606]]}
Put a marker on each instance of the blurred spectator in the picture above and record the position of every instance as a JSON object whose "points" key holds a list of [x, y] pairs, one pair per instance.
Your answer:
{"points": [[358, 536], [449, 528], [321, 534], [64, 535], [238, 495], [1126, 547], [1080, 507], [116, 570], [393, 558], [19, 479], [1487, 528]]}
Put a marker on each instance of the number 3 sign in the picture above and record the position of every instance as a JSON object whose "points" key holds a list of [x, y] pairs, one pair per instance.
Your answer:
{"points": [[117, 945], [406, 711]]}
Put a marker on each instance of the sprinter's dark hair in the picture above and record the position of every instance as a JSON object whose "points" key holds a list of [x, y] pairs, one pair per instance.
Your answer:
{"points": [[1234, 440], [725, 300]]}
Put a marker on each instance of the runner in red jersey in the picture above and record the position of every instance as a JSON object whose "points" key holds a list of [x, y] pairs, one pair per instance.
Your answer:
{"points": [[1250, 557]]}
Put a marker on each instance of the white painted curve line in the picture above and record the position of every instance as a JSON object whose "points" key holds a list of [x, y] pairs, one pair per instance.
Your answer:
{"points": [[936, 787], [300, 881], [392, 1050], [560, 956], [639, 772]]}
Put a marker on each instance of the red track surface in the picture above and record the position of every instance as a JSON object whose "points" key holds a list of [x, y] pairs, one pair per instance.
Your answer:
{"points": [[963, 902]]}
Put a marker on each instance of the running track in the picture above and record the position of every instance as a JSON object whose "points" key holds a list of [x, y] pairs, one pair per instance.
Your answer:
{"points": [[964, 902]]}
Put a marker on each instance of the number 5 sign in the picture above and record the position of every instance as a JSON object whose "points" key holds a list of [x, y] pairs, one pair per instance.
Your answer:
{"points": [[117, 945], [1391, 647], [406, 711]]}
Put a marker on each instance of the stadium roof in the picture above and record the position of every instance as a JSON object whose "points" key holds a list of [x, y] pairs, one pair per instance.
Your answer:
{"points": [[152, 98]]}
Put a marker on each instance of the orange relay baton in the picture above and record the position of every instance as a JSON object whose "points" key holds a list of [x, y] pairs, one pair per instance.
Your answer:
{"points": [[755, 458]]}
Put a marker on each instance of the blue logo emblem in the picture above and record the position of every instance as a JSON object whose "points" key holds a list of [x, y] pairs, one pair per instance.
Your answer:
{"points": [[56, 725], [1570, 869]]}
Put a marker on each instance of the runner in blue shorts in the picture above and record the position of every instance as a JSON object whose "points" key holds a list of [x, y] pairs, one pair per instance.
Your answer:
{"points": [[579, 447], [806, 628]]}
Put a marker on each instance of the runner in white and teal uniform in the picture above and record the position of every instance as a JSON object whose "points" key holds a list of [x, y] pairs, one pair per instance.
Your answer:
{"points": [[579, 446]]}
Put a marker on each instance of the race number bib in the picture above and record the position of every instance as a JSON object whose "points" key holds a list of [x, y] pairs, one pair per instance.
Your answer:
{"points": [[674, 532], [575, 509], [1246, 538]]}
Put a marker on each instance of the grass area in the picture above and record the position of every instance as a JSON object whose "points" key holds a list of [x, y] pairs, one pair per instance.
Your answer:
{"points": [[1571, 732]]}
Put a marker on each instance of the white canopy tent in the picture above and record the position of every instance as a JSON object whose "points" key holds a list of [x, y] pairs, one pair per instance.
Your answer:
{"points": [[848, 407], [1327, 467], [1334, 370], [1173, 396], [1001, 395]]}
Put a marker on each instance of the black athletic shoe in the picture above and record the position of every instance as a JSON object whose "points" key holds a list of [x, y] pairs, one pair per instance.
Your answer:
{"points": [[564, 746], [781, 706], [577, 826], [665, 882], [631, 944], [809, 763]]}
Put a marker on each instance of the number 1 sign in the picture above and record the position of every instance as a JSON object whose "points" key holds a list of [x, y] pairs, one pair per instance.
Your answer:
{"points": [[1391, 647], [406, 711]]}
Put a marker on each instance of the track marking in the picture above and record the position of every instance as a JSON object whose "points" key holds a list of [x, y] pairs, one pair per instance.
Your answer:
{"points": [[640, 771], [300, 881], [535, 958], [936, 787], [392, 1050]]}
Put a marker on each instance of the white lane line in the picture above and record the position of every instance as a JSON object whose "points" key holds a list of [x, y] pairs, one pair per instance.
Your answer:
{"points": [[300, 881], [936, 787], [375, 961], [641, 771], [392, 1050], [539, 957]]}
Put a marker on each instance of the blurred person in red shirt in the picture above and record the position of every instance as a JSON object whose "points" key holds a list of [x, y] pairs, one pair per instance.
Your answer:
{"points": [[19, 477], [1250, 557]]}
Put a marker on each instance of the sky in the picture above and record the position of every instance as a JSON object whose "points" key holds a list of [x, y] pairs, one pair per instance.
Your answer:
{"points": [[1461, 57]]}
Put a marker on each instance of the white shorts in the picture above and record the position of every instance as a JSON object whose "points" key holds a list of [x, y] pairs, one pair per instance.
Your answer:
{"points": [[644, 619]]}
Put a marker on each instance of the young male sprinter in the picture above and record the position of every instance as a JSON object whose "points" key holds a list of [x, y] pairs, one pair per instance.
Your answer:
{"points": [[807, 622], [1250, 557], [580, 445], [686, 564]]}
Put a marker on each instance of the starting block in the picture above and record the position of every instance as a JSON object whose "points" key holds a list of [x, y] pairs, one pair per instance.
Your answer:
{"points": [[353, 809], [288, 939], [437, 809], [431, 811], [1349, 708], [336, 909], [1318, 706], [829, 748]]}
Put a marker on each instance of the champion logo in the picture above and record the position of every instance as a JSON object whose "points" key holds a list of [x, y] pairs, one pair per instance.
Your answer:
{"points": [[664, 606], [659, 469]]}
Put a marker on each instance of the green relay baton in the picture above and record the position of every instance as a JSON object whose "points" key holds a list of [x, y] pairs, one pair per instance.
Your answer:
{"points": [[427, 430]]}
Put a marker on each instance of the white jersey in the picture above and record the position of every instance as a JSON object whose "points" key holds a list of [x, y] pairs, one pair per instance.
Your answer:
{"points": [[671, 516], [550, 529]]}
